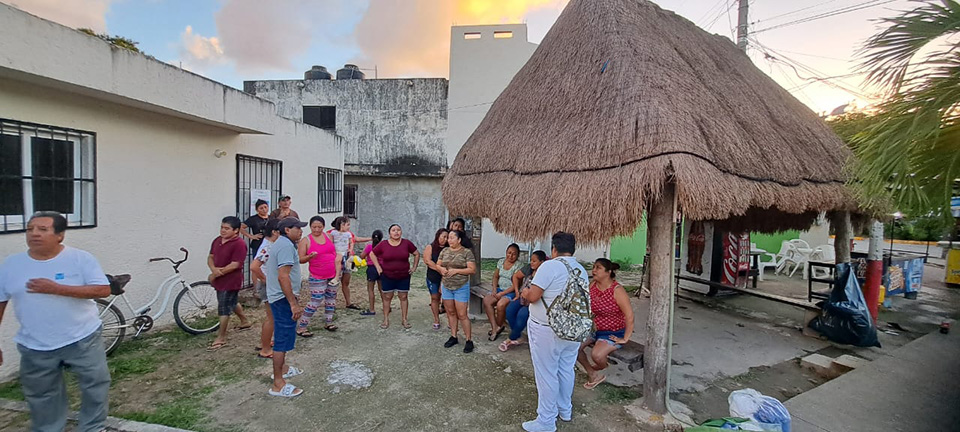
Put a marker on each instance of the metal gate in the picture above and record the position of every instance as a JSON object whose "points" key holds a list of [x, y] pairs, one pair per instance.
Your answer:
{"points": [[253, 175]]}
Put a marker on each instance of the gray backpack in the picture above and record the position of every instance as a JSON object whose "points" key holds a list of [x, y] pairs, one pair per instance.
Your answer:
{"points": [[569, 314]]}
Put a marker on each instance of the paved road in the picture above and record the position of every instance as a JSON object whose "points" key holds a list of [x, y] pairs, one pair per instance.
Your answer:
{"points": [[913, 389]]}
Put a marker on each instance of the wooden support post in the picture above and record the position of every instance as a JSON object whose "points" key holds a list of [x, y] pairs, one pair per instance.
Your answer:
{"points": [[656, 361], [844, 230]]}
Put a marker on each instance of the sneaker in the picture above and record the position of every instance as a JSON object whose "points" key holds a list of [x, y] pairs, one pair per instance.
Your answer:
{"points": [[468, 347], [567, 419], [535, 426], [450, 342]]}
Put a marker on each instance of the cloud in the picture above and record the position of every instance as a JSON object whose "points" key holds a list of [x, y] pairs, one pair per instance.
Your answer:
{"points": [[199, 51], [80, 14], [412, 37]]}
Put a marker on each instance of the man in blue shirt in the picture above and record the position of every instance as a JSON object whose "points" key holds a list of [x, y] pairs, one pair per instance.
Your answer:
{"points": [[283, 286]]}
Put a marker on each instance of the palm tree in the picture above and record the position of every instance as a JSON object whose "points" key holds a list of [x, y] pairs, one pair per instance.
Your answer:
{"points": [[912, 152]]}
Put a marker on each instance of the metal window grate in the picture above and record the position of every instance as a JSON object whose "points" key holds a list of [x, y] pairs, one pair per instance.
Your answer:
{"points": [[350, 200], [253, 174], [46, 168], [330, 193]]}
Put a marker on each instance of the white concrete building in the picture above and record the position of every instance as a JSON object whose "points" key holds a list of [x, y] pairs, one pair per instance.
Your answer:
{"points": [[144, 157], [483, 61]]}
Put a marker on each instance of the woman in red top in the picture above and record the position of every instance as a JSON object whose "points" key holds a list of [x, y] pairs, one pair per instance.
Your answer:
{"points": [[392, 260], [612, 316]]}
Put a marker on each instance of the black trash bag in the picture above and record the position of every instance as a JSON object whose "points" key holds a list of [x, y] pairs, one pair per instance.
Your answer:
{"points": [[844, 317]]}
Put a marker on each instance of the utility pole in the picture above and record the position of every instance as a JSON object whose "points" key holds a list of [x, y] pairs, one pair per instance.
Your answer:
{"points": [[742, 26]]}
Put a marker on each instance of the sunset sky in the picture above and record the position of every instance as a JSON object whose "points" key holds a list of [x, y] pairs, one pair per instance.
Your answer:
{"points": [[796, 42]]}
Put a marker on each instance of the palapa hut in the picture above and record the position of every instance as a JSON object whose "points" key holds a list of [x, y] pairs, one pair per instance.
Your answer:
{"points": [[622, 102]]}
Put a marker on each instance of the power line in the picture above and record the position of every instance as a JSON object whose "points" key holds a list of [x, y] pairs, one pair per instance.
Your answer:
{"points": [[796, 66], [793, 12], [835, 12], [723, 11]]}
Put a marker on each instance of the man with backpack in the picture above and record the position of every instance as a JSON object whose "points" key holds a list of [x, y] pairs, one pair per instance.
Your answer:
{"points": [[559, 320]]}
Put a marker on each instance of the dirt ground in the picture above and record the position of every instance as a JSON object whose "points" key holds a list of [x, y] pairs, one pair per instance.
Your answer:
{"points": [[169, 377]]}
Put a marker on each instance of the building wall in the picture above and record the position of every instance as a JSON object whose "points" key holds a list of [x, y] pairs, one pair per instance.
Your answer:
{"points": [[414, 203], [389, 126], [159, 185], [480, 68]]}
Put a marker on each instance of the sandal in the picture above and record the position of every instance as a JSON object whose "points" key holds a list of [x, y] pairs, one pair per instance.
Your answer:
{"points": [[270, 356], [406, 325], [354, 307], [291, 372], [305, 333], [436, 326], [216, 345], [384, 326], [591, 384], [239, 327], [288, 391], [368, 313], [505, 345], [331, 327], [493, 336]]}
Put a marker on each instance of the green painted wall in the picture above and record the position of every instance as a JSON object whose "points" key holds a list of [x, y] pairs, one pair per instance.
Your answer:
{"points": [[630, 250], [771, 242]]}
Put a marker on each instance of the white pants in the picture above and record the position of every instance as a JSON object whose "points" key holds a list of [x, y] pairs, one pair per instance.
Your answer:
{"points": [[553, 366]]}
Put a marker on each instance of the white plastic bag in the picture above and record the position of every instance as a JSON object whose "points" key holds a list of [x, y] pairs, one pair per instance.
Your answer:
{"points": [[764, 412]]}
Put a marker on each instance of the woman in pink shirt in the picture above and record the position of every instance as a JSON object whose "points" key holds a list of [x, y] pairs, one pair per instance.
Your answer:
{"points": [[320, 252]]}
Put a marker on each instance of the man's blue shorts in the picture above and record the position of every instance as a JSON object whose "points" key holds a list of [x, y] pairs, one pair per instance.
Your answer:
{"points": [[284, 327]]}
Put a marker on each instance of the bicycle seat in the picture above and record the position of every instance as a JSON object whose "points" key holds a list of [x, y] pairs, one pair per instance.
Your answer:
{"points": [[117, 283]]}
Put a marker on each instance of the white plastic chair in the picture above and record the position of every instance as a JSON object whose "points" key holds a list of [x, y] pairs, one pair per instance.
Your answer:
{"points": [[825, 254], [775, 260]]}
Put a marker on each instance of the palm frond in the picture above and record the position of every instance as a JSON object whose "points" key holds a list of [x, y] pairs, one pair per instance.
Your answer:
{"points": [[887, 55]]}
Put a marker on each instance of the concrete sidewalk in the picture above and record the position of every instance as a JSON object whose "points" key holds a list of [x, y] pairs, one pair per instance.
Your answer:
{"points": [[915, 388]]}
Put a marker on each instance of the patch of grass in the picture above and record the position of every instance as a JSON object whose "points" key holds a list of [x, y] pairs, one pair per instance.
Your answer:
{"points": [[183, 413], [11, 390], [612, 394], [125, 367]]}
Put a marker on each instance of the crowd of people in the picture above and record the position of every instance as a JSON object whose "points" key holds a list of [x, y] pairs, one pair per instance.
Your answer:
{"points": [[522, 293]]}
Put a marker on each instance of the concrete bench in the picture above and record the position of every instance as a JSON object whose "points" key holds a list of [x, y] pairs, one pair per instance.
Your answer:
{"points": [[631, 355]]}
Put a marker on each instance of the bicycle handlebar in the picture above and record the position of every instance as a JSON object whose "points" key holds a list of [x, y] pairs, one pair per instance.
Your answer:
{"points": [[186, 254]]}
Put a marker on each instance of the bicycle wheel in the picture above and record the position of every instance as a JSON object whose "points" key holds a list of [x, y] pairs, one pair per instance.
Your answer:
{"points": [[114, 326], [195, 308]]}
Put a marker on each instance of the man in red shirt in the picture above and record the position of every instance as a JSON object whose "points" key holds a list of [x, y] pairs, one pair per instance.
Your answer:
{"points": [[227, 254]]}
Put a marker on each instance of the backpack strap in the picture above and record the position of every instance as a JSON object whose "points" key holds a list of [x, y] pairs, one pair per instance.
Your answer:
{"points": [[571, 272]]}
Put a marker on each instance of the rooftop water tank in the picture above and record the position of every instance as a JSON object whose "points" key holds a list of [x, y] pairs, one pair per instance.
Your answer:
{"points": [[317, 73], [350, 71]]}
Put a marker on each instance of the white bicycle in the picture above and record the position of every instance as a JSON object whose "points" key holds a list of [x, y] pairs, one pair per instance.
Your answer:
{"points": [[194, 309]]}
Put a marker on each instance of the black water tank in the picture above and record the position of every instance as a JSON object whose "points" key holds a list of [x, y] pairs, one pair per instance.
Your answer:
{"points": [[317, 73], [350, 71]]}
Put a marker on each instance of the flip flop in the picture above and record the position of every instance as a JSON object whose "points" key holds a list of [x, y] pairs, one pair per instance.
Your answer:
{"points": [[265, 356], [368, 313], [406, 325], [354, 307], [292, 372], [331, 327], [216, 346], [436, 326], [384, 326], [238, 328], [305, 334], [505, 345], [593, 384], [288, 391]]}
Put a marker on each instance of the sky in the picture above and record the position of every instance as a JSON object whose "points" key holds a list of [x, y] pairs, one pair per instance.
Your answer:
{"points": [[797, 43]]}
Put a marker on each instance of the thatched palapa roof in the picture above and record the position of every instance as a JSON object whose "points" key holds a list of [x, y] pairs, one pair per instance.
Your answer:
{"points": [[622, 95]]}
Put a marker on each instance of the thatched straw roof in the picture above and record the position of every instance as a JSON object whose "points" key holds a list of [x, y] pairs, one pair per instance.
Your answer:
{"points": [[622, 95]]}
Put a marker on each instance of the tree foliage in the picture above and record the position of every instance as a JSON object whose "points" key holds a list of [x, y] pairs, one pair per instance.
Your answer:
{"points": [[911, 152]]}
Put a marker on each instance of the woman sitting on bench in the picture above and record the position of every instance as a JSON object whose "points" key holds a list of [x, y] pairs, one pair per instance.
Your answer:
{"points": [[612, 316], [518, 310]]}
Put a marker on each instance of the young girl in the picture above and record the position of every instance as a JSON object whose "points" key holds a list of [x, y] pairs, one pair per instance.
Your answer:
{"points": [[344, 241], [373, 278], [431, 253]]}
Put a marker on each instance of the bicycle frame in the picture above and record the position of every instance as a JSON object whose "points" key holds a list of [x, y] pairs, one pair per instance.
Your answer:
{"points": [[167, 285]]}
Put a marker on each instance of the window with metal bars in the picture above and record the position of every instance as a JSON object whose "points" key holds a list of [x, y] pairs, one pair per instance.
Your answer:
{"points": [[350, 200], [46, 168], [330, 199]]}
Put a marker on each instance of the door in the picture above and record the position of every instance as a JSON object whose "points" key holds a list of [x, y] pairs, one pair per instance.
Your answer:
{"points": [[256, 178]]}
